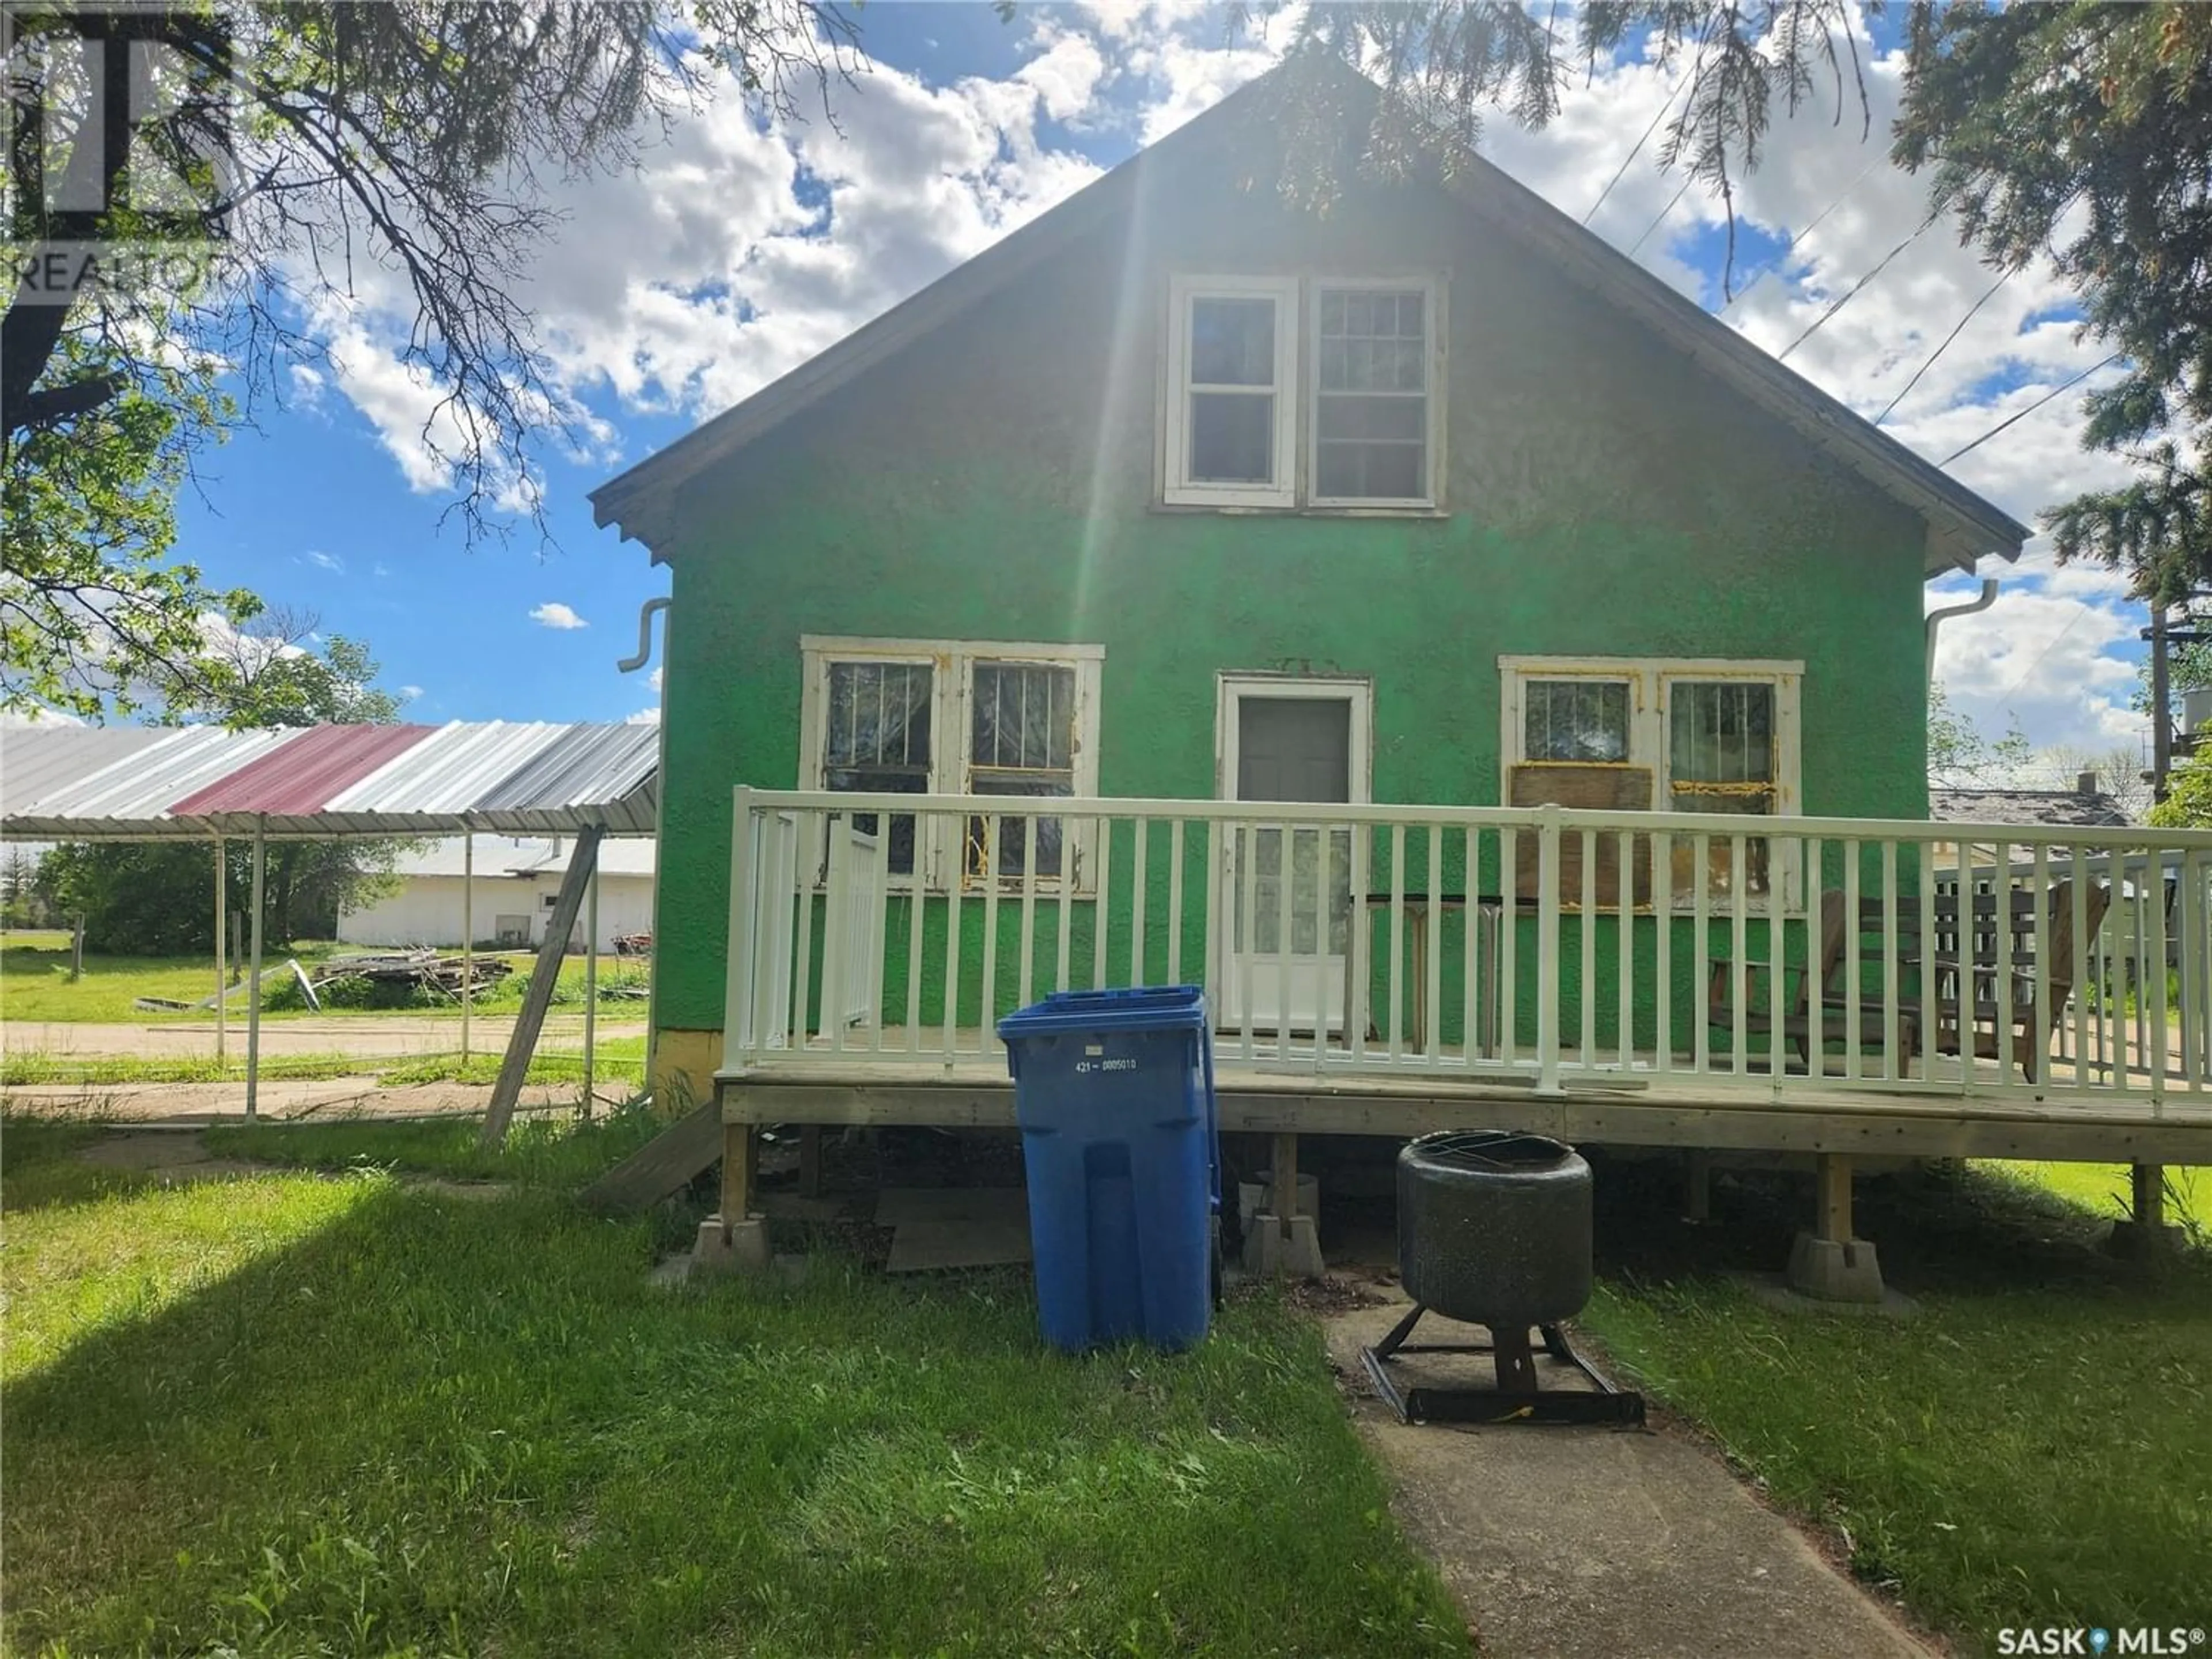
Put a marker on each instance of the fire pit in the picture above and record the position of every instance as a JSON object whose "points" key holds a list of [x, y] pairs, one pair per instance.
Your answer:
{"points": [[1494, 1229]]}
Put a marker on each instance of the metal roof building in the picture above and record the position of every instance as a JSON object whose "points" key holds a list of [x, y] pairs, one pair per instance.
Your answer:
{"points": [[80, 783]]}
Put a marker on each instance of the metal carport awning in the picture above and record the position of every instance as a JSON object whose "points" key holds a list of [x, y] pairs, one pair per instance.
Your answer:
{"points": [[332, 783]]}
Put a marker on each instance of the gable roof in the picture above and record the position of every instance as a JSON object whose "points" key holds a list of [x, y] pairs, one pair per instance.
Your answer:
{"points": [[1962, 524]]}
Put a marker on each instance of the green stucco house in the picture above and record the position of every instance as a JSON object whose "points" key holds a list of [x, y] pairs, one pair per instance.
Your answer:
{"points": [[1190, 490]]}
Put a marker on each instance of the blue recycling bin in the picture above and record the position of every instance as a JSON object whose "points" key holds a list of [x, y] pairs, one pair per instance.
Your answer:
{"points": [[1114, 1090]]}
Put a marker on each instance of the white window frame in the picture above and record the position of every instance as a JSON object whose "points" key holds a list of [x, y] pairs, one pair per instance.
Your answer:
{"points": [[1432, 293], [1650, 680], [1179, 488], [937, 857]]}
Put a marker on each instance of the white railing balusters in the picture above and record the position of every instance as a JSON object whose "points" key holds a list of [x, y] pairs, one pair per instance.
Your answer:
{"points": [[1432, 924], [1100, 903], [1143, 827], [953, 943], [1624, 923], [806, 883], [1508, 944], [1175, 901], [1854, 925], [1547, 949], [1472, 990], [1892, 931], [1586, 1002], [1663, 952], [1397, 977], [1025, 985]]}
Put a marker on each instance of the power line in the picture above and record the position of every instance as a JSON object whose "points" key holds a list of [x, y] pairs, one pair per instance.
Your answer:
{"points": [[2023, 414], [1656, 223], [1856, 289], [1637, 148], [1775, 264], [1987, 296]]}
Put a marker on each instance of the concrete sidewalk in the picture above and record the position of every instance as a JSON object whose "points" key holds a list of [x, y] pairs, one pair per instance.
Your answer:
{"points": [[1594, 1543]]}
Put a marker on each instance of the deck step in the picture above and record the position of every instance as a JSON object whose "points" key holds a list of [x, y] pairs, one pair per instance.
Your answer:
{"points": [[663, 1164]]}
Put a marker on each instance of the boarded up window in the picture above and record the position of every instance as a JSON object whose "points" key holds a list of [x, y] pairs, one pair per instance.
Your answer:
{"points": [[1021, 742], [877, 738], [1598, 787]]}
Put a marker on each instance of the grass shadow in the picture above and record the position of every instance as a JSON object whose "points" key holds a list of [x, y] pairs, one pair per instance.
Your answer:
{"points": [[456, 1425]]}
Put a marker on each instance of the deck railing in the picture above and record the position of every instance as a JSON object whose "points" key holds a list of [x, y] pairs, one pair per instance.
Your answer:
{"points": [[1548, 947]]}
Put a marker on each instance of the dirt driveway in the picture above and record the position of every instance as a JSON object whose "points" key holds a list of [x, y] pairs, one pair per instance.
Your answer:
{"points": [[371, 1037], [185, 1103]]}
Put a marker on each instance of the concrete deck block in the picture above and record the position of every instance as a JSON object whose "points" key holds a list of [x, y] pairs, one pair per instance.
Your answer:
{"points": [[1835, 1270], [2138, 1241], [724, 1247], [1296, 1254]]}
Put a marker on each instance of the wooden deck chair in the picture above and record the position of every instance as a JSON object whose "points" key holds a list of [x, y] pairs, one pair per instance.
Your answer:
{"points": [[2000, 1020], [1752, 981]]}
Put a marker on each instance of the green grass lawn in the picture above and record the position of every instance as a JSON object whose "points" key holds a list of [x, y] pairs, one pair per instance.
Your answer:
{"points": [[35, 985], [292, 1414], [555, 1151], [2031, 1448]]}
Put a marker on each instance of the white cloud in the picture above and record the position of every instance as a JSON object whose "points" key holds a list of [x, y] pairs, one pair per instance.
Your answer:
{"points": [[409, 693], [654, 678], [329, 561], [554, 614], [643, 717]]}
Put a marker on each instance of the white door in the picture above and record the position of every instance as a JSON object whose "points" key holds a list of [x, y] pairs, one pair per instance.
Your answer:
{"points": [[1289, 740]]}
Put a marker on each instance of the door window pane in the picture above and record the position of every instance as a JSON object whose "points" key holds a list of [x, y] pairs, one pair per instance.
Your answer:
{"points": [[1582, 720]]}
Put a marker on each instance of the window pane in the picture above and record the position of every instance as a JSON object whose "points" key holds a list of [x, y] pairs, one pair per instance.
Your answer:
{"points": [[1721, 731], [1402, 420], [1232, 342], [878, 741], [1372, 472], [879, 715], [1013, 834], [1574, 720], [1232, 437], [1373, 341], [1371, 413], [1022, 715]]}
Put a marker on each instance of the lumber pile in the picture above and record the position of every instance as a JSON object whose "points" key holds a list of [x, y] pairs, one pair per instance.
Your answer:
{"points": [[442, 974]]}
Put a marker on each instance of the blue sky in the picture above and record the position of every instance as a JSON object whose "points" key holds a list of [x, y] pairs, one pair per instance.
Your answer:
{"points": [[743, 249]]}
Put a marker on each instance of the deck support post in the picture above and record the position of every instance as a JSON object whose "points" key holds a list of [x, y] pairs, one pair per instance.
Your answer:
{"points": [[1828, 1264], [2145, 1232], [734, 1239], [221, 1018], [810, 1160], [1697, 1188], [1285, 1243]]}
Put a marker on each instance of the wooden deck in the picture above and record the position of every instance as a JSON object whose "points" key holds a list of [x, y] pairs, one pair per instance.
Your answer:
{"points": [[1800, 1116]]}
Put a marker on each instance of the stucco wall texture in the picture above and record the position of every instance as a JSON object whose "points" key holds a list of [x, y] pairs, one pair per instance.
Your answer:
{"points": [[996, 480]]}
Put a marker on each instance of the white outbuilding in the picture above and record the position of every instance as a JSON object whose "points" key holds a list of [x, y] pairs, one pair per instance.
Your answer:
{"points": [[516, 880]]}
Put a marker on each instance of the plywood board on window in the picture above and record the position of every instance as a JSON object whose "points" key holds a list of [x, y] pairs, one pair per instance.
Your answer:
{"points": [[1598, 787]]}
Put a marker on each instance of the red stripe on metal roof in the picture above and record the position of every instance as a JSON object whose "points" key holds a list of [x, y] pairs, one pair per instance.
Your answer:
{"points": [[299, 778]]}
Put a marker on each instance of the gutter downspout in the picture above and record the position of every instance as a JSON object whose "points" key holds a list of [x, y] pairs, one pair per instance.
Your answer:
{"points": [[631, 665], [1936, 618]]}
